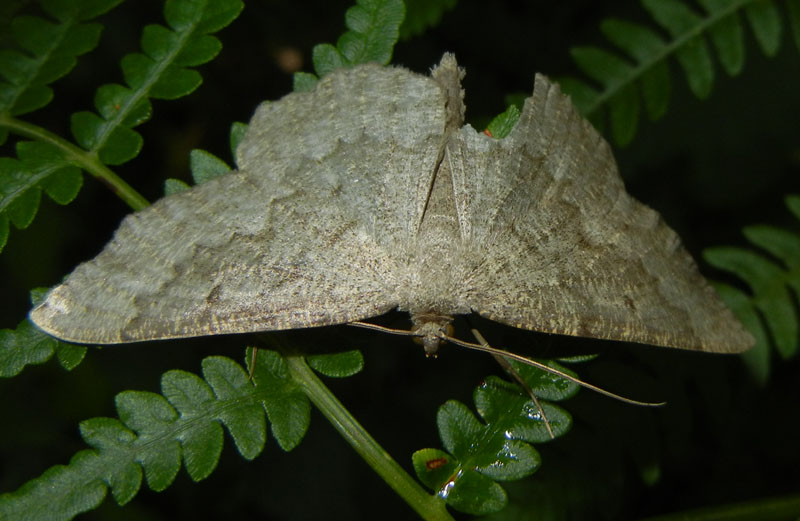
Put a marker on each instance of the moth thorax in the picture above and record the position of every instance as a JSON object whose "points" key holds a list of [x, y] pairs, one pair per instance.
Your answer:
{"points": [[430, 328]]}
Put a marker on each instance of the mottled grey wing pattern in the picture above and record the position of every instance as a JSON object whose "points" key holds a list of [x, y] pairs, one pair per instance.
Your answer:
{"points": [[565, 249], [365, 195], [324, 180]]}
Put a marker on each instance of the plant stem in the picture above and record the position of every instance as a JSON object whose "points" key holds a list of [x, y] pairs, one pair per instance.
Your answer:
{"points": [[772, 509], [429, 507], [79, 157]]}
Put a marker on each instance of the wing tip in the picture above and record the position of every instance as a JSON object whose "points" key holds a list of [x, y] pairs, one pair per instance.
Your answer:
{"points": [[56, 316]]}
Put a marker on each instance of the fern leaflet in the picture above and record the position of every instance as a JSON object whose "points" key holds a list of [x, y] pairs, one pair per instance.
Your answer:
{"points": [[771, 302], [46, 50], [479, 454], [155, 433], [373, 30], [422, 14], [27, 345], [644, 69], [107, 137]]}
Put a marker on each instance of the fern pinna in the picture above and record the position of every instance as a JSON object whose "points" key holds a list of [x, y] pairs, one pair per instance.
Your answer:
{"points": [[106, 137], [771, 312], [643, 73]]}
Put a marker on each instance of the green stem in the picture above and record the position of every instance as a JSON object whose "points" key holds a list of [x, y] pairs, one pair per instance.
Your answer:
{"points": [[429, 507], [75, 155], [772, 509]]}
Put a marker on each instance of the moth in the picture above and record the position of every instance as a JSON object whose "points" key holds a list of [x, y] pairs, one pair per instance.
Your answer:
{"points": [[369, 194]]}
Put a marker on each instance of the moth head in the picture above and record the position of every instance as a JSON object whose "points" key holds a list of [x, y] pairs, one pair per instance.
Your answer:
{"points": [[430, 330]]}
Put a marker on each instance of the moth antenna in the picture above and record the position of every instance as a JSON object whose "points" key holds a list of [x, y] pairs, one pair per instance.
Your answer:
{"points": [[382, 329], [505, 355], [533, 363], [518, 378], [252, 364]]}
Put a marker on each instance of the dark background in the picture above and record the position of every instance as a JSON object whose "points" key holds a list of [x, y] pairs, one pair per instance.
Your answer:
{"points": [[709, 167]]}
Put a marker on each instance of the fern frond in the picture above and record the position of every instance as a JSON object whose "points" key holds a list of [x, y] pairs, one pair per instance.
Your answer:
{"points": [[373, 31], [793, 7], [643, 67], [155, 433], [27, 345], [478, 454], [757, 358], [423, 14], [46, 51], [204, 165], [503, 123], [163, 71], [774, 286]]}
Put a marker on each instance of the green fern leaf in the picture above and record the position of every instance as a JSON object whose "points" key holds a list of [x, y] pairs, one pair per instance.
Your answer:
{"points": [[304, 81], [245, 424], [151, 416], [502, 125], [115, 145], [71, 494], [606, 67], [783, 244], [156, 432], [4, 222], [40, 167], [769, 281], [766, 23], [793, 7], [478, 454], [46, 51], [647, 73], [327, 58], [693, 54], [793, 204], [160, 72], [727, 36], [422, 14], [238, 130], [113, 441], [472, 492], [206, 166], [757, 358], [28, 345], [373, 31], [70, 355], [338, 365], [175, 186], [640, 43], [153, 435], [23, 346], [191, 396], [287, 406]]}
